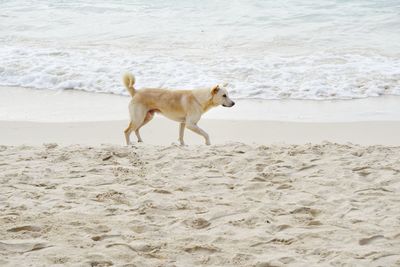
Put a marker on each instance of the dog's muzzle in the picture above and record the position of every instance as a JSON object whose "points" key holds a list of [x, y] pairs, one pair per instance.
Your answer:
{"points": [[231, 105]]}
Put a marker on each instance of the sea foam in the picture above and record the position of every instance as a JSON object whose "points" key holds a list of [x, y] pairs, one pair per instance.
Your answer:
{"points": [[316, 76], [264, 49]]}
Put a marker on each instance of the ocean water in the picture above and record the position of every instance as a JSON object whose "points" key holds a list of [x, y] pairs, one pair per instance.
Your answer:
{"points": [[299, 49]]}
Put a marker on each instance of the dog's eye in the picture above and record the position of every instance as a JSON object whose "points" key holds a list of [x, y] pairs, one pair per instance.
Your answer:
{"points": [[224, 96]]}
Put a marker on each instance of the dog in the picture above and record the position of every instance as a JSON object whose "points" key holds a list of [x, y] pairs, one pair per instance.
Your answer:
{"points": [[183, 106]]}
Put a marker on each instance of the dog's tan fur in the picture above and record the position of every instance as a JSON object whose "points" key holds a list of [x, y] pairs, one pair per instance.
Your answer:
{"points": [[183, 106]]}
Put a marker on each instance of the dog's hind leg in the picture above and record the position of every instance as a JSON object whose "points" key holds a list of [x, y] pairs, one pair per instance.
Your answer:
{"points": [[181, 132], [128, 132], [137, 114], [149, 117]]}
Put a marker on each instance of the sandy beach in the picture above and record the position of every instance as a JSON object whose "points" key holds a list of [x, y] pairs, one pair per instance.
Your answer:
{"points": [[224, 205], [266, 193]]}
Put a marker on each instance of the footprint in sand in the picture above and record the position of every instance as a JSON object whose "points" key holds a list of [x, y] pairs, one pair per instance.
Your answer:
{"points": [[59, 259], [314, 223], [260, 167], [23, 246], [201, 249], [306, 167], [284, 186], [287, 260], [102, 237], [147, 250], [268, 264], [280, 241], [241, 259], [284, 241], [114, 196], [100, 263], [282, 227], [366, 241], [98, 259], [161, 191], [50, 145], [27, 228], [306, 210], [198, 223]]}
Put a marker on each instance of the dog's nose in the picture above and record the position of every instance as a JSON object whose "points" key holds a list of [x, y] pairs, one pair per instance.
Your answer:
{"points": [[233, 103]]}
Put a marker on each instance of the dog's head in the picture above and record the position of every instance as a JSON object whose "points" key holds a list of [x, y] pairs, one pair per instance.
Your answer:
{"points": [[220, 96]]}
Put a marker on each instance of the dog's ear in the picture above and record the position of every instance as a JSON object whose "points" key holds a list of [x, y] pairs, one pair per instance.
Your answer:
{"points": [[215, 90]]}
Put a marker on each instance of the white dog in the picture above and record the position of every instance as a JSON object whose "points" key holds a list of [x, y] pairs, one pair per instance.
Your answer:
{"points": [[183, 106]]}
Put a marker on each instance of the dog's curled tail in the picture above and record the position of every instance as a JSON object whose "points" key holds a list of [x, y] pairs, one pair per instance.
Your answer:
{"points": [[129, 82]]}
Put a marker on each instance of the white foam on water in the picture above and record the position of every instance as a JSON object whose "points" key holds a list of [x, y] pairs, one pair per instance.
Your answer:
{"points": [[318, 76], [297, 49]]}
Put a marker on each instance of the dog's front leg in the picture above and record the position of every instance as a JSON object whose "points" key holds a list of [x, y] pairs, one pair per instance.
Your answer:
{"points": [[181, 132], [198, 130]]}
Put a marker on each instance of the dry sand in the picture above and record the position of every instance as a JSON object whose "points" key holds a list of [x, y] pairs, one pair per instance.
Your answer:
{"points": [[224, 205]]}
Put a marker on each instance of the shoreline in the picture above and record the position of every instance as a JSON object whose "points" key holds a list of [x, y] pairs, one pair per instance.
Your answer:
{"points": [[22, 104]]}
